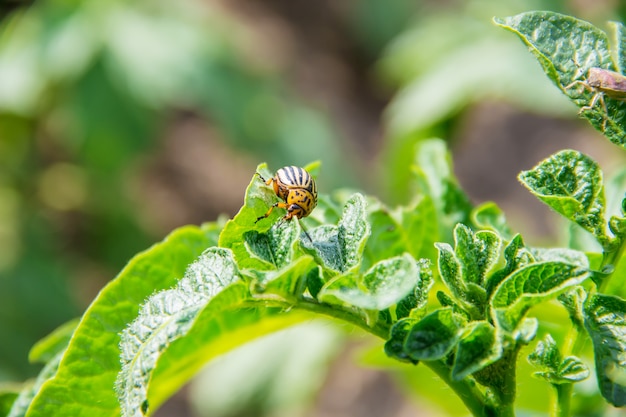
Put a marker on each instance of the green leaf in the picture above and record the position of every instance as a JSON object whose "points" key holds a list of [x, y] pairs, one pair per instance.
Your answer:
{"points": [[567, 48], [353, 231], [605, 321], [618, 41], [571, 183], [259, 245], [288, 281], [50, 346], [341, 248], [573, 301], [7, 399], [489, 216], [276, 247], [516, 255], [383, 285], [464, 271], [434, 336], [166, 316], [225, 323], [529, 286], [394, 347], [545, 356], [433, 169], [554, 369], [414, 304], [476, 252], [478, 347], [410, 229], [84, 388], [24, 400]]}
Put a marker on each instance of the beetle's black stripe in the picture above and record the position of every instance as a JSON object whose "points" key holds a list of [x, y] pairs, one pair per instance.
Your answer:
{"points": [[294, 175]]}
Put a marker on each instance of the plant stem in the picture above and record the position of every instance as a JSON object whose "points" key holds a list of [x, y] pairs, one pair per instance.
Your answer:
{"points": [[563, 400], [467, 391]]}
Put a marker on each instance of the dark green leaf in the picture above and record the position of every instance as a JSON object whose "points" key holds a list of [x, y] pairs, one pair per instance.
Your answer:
{"points": [[394, 347], [605, 321], [434, 336], [571, 183], [478, 347], [7, 399]]}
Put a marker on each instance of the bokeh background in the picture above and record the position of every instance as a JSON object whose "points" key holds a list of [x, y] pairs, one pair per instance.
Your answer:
{"points": [[121, 120]]}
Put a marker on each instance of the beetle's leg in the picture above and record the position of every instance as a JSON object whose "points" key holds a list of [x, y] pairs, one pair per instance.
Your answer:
{"points": [[305, 231], [279, 205]]}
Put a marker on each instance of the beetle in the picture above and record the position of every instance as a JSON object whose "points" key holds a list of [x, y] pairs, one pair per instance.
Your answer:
{"points": [[297, 188], [602, 82]]}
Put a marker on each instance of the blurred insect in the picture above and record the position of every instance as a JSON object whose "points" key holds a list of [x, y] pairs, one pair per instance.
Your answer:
{"points": [[298, 191], [602, 82]]}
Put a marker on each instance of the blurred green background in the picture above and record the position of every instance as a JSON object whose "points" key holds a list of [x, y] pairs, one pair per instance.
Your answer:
{"points": [[120, 121]]}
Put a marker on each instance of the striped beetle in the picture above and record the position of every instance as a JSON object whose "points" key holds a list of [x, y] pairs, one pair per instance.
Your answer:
{"points": [[296, 188]]}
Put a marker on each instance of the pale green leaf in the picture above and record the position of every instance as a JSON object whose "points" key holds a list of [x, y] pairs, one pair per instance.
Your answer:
{"points": [[383, 285], [167, 316], [84, 388]]}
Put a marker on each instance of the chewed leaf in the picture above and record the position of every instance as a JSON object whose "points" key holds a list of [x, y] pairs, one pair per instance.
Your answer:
{"points": [[276, 246], [340, 247], [353, 231], [605, 321], [165, 317], [382, 286], [571, 183], [567, 48]]}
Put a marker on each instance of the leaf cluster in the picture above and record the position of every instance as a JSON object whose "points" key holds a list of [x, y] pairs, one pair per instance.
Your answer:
{"points": [[445, 284]]}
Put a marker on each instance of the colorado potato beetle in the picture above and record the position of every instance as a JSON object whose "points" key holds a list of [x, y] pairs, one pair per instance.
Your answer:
{"points": [[296, 188]]}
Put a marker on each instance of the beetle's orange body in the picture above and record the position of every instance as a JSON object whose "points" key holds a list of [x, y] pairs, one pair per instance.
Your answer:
{"points": [[296, 188]]}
